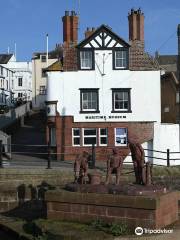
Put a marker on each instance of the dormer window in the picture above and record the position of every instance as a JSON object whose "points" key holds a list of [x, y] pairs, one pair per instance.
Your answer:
{"points": [[86, 60], [120, 59]]}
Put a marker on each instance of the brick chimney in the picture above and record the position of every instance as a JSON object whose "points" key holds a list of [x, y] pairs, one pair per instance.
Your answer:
{"points": [[89, 32], [70, 28], [136, 26]]}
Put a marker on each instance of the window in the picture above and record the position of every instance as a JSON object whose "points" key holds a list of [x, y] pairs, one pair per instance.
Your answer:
{"points": [[120, 59], [76, 136], [20, 95], [166, 109], [89, 136], [121, 100], [103, 136], [177, 97], [43, 73], [89, 100], [1, 71], [120, 136], [42, 90], [86, 59], [20, 81], [43, 58], [52, 136]]}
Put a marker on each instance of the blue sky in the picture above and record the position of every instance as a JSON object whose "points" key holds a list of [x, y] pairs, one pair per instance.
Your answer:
{"points": [[26, 22]]}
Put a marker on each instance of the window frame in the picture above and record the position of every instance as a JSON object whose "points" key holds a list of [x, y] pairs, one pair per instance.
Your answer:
{"points": [[117, 144], [114, 90], [79, 59], [102, 135], [114, 58], [20, 95], [88, 90], [42, 90], [53, 137], [20, 81], [88, 136], [43, 58], [73, 136]]}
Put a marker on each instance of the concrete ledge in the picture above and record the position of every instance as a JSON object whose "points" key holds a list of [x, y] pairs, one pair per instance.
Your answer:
{"points": [[155, 212]]}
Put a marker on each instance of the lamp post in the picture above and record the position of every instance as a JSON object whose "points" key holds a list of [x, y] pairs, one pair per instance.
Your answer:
{"points": [[178, 73], [51, 110]]}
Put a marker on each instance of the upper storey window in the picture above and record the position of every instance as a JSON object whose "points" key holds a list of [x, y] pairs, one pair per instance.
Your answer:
{"points": [[86, 59], [120, 59], [89, 100]]}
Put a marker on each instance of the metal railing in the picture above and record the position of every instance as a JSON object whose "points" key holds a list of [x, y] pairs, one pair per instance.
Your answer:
{"points": [[95, 152]]}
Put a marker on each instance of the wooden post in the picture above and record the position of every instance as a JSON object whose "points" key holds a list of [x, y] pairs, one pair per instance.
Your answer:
{"points": [[148, 174], [1, 154], [93, 156], [168, 158]]}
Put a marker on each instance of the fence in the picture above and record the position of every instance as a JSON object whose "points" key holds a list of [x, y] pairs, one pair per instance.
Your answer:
{"points": [[46, 152]]}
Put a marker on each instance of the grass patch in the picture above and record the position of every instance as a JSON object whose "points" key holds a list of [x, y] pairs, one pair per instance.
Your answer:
{"points": [[115, 229]]}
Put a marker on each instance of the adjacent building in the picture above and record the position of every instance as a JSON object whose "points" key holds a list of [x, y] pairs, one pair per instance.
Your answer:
{"points": [[39, 85], [6, 81], [22, 81]]}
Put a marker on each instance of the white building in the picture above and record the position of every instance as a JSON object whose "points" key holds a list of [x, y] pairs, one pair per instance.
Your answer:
{"points": [[106, 92], [22, 84], [6, 85]]}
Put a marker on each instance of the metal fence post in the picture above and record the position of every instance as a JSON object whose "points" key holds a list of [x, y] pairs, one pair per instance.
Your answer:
{"points": [[49, 157], [168, 158], [1, 154], [93, 156]]}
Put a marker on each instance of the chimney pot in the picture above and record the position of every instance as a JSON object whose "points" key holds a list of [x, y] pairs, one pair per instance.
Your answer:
{"points": [[73, 13], [66, 13]]}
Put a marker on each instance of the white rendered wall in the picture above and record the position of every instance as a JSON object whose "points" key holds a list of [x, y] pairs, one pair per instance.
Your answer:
{"points": [[24, 70], [166, 136], [145, 91]]}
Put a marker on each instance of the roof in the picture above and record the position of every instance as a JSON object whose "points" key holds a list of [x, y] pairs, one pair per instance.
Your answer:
{"points": [[56, 53], [106, 29], [56, 66], [4, 58], [139, 60], [167, 62]]}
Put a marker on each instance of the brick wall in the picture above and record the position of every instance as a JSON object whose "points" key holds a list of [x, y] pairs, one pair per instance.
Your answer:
{"points": [[150, 212], [137, 131]]}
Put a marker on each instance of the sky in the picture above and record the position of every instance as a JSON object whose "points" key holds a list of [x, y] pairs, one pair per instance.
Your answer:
{"points": [[26, 22]]}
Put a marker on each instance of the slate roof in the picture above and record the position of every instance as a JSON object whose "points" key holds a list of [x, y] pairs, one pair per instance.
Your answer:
{"points": [[57, 53], [167, 62], [4, 58]]}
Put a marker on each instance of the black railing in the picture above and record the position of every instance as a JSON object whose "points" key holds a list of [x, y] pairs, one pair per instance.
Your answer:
{"points": [[95, 152]]}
